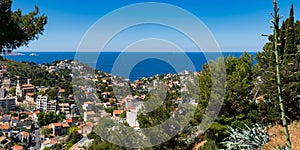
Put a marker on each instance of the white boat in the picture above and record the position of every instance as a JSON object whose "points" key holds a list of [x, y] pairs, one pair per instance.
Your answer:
{"points": [[33, 54]]}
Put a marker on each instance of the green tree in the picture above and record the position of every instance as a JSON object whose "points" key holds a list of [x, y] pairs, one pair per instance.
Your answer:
{"points": [[45, 131], [290, 47], [17, 29]]}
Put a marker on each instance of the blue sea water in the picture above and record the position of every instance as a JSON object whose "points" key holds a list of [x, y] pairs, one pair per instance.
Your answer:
{"points": [[144, 68]]}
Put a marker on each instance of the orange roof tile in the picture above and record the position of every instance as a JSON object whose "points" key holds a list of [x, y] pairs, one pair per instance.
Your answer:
{"points": [[4, 127], [74, 147], [69, 120], [24, 133], [61, 90], [118, 112], [30, 94], [17, 147], [56, 124], [65, 125]]}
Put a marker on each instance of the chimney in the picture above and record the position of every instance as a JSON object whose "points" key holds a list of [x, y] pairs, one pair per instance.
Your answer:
{"points": [[28, 81]]}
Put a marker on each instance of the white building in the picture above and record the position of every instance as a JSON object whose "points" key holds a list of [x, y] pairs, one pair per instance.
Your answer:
{"points": [[41, 102]]}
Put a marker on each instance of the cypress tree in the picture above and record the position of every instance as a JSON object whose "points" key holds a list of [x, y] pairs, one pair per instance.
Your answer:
{"points": [[282, 39], [290, 48]]}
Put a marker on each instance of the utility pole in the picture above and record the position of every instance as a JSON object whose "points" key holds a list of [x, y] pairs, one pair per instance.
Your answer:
{"points": [[276, 44]]}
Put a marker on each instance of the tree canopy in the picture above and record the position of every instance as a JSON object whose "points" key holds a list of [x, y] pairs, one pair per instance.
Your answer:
{"points": [[17, 29]]}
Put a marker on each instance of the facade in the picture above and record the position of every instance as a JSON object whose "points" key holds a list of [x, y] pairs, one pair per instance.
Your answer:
{"points": [[7, 104], [41, 102], [5, 142], [51, 106], [64, 107], [59, 129], [21, 91]]}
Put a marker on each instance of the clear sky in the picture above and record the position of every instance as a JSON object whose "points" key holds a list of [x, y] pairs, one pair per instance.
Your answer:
{"points": [[236, 24]]}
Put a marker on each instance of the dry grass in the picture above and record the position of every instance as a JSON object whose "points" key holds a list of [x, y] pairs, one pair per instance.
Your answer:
{"points": [[278, 137]]}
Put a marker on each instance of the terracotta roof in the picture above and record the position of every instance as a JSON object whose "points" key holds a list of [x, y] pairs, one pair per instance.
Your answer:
{"points": [[24, 133], [118, 112], [2, 138], [74, 147], [27, 85], [17, 147], [61, 90], [104, 93], [65, 125], [131, 108], [56, 124], [37, 112], [15, 118], [4, 127], [69, 120], [30, 94]]}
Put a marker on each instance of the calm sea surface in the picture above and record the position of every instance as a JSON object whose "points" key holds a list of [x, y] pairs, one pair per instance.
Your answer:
{"points": [[152, 64]]}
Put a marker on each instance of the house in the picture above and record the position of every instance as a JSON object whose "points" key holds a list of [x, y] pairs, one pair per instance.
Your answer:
{"points": [[131, 117], [5, 142], [117, 113], [30, 97], [27, 88], [51, 106], [59, 129], [41, 103], [48, 143], [64, 107], [24, 137], [86, 128], [7, 103], [105, 94], [5, 129]]}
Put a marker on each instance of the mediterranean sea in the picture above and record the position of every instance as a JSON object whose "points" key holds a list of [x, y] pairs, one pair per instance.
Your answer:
{"points": [[145, 68]]}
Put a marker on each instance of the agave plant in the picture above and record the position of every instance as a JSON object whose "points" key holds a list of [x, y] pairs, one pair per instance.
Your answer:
{"points": [[246, 139]]}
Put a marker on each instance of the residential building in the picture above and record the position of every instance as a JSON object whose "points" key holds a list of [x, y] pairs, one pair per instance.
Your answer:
{"points": [[24, 137], [7, 103], [17, 147], [64, 107], [45, 105], [117, 113], [41, 103], [5, 142], [51, 106], [59, 129]]}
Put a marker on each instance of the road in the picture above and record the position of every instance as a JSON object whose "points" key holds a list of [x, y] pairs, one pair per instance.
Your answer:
{"points": [[37, 138]]}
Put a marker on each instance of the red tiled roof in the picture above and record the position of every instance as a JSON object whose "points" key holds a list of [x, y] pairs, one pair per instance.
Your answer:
{"points": [[65, 125], [56, 124], [24, 133], [118, 112], [17, 147], [69, 120], [30, 94], [4, 127], [74, 147]]}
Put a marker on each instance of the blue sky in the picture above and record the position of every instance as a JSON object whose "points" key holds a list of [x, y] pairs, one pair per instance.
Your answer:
{"points": [[235, 24]]}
